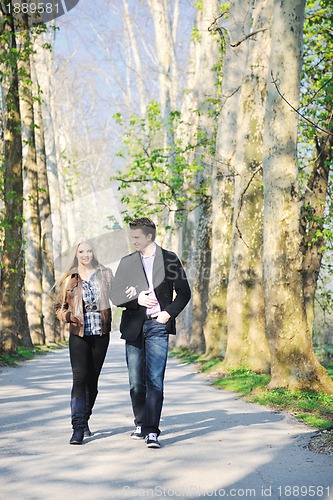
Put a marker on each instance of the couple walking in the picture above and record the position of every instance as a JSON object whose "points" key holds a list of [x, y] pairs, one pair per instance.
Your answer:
{"points": [[151, 285]]}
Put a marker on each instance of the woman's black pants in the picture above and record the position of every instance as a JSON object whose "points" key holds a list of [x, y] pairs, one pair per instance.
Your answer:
{"points": [[87, 355]]}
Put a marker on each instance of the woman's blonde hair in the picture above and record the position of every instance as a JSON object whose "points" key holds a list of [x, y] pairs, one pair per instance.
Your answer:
{"points": [[72, 262]]}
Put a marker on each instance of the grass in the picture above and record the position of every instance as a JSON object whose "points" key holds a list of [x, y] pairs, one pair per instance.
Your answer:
{"points": [[312, 408], [25, 353]]}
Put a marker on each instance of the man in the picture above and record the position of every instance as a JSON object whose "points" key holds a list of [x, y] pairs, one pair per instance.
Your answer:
{"points": [[152, 286]]}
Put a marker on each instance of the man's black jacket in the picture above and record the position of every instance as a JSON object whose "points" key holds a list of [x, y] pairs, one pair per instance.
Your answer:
{"points": [[168, 277]]}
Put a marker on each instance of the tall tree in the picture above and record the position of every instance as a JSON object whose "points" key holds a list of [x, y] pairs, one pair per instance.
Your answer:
{"points": [[33, 282], [317, 104], [247, 344], [199, 108], [53, 125], [44, 209], [13, 318], [224, 171], [165, 49], [293, 363]]}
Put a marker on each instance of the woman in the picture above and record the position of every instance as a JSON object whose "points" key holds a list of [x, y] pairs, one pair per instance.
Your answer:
{"points": [[83, 302]]}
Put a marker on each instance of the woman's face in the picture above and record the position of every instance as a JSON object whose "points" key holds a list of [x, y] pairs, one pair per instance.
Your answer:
{"points": [[84, 254]]}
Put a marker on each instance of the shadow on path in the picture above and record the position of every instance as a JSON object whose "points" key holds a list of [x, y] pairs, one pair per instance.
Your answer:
{"points": [[213, 444]]}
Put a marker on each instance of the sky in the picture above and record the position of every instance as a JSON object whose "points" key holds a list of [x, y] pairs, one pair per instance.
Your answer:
{"points": [[93, 64]]}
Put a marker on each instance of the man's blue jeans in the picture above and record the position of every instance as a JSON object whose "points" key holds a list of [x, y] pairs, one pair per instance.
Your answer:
{"points": [[146, 361]]}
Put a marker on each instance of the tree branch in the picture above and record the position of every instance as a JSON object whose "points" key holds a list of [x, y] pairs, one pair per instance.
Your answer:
{"points": [[241, 204], [215, 27], [274, 81], [236, 44]]}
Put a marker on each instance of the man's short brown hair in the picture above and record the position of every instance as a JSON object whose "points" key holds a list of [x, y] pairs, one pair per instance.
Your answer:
{"points": [[146, 224]]}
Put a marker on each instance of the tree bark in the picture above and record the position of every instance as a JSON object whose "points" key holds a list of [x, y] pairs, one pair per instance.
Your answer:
{"points": [[313, 217], [13, 319], [33, 281], [224, 172], [247, 344], [293, 363], [44, 206], [137, 59], [205, 90], [52, 124], [165, 48]]}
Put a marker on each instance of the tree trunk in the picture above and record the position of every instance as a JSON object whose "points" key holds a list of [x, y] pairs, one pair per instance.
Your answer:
{"points": [[137, 59], [224, 171], [33, 281], [293, 363], [205, 90], [165, 49], [247, 344], [13, 319], [53, 147], [48, 279], [312, 222]]}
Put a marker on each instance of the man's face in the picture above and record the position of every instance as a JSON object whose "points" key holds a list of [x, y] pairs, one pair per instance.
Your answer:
{"points": [[140, 239]]}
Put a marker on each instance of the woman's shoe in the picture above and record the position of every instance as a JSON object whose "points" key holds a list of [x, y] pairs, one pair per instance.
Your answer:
{"points": [[78, 406], [77, 437], [86, 431]]}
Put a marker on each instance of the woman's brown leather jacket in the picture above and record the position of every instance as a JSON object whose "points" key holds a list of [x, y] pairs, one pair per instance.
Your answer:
{"points": [[69, 304]]}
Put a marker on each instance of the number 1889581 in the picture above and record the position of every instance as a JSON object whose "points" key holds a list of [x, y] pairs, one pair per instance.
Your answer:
{"points": [[304, 491], [33, 8]]}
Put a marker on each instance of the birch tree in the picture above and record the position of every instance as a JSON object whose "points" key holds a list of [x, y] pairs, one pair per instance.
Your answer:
{"points": [[293, 363]]}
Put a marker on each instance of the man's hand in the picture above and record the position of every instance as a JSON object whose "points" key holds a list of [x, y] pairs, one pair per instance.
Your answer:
{"points": [[130, 292], [145, 300], [163, 317]]}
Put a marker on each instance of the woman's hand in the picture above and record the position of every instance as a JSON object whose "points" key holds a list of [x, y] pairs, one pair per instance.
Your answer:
{"points": [[130, 292], [74, 320]]}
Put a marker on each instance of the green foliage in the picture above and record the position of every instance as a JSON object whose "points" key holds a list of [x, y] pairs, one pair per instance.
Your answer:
{"points": [[15, 48], [186, 356], [317, 105], [157, 178], [71, 172], [315, 409], [242, 380], [196, 35], [25, 353], [199, 5], [21, 50]]}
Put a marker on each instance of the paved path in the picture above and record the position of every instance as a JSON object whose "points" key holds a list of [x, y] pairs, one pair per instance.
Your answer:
{"points": [[214, 445]]}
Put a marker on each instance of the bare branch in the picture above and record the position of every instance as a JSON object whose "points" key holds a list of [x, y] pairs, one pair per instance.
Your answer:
{"points": [[241, 204], [274, 81], [236, 44], [214, 26]]}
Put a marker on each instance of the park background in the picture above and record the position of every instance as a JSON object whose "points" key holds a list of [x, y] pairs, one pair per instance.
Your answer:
{"points": [[213, 118]]}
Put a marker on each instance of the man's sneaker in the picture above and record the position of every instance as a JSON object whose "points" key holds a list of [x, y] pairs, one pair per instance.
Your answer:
{"points": [[137, 434], [152, 441]]}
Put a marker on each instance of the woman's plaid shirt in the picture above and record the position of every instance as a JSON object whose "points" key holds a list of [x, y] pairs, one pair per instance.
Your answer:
{"points": [[91, 296]]}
